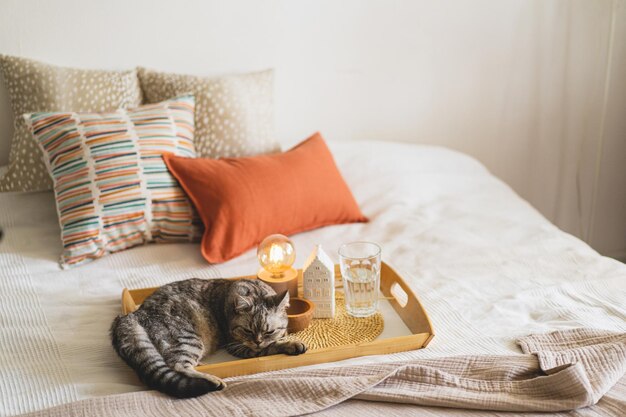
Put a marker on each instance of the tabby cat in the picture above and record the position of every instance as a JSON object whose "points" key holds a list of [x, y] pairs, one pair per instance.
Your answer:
{"points": [[182, 322]]}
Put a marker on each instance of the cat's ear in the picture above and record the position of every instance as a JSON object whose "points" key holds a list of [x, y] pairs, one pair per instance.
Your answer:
{"points": [[242, 304], [281, 301]]}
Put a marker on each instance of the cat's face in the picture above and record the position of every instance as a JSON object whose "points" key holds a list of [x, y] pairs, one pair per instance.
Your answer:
{"points": [[259, 316]]}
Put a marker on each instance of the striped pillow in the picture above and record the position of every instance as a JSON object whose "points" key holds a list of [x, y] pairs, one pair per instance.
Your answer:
{"points": [[113, 190]]}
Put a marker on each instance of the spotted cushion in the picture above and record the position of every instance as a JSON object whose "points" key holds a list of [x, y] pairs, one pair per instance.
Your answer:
{"points": [[113, 190], [36, 87], [234, 113]]}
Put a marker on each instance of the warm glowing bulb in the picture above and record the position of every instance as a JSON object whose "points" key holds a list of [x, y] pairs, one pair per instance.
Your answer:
{"points": [[276, 254]]}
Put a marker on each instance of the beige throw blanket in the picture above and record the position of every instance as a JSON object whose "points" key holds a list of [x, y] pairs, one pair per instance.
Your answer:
{"points": [[559, 371]]}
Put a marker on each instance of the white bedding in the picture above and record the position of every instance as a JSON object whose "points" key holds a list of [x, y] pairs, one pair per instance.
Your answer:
{"points": [[486, 266]]}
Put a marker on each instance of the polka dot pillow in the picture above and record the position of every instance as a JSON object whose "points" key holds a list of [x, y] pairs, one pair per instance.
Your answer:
{"points": [[234, 114], [112, 188], [36, 87]]}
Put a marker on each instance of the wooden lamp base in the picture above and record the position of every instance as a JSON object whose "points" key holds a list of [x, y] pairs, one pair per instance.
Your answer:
{"points": [[287, 281]]}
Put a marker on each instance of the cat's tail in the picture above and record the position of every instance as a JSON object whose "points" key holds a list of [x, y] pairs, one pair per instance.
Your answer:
{"points": [[132, 343]]}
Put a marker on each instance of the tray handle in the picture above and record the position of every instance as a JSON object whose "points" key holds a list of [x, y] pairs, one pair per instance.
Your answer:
{"points": [[403, 300]]}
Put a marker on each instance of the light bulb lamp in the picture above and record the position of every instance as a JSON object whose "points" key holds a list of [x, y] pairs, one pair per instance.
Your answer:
{"points": [[276, 254]]}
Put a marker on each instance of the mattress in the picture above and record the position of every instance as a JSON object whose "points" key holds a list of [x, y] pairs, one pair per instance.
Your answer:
{"points": [[487, 267]]}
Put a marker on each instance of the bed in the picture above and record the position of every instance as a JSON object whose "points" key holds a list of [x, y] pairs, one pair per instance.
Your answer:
{"points": [[487, 267]]}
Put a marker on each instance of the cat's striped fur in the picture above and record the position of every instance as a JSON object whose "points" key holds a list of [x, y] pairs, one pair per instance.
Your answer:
{"points": [[182, 322]]}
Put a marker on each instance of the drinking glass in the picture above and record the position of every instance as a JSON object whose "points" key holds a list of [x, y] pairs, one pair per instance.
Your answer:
{"points": [[360, 270]]}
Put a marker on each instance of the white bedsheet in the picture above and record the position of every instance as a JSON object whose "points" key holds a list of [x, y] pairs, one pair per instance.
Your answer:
{"points": [[484, 263]]}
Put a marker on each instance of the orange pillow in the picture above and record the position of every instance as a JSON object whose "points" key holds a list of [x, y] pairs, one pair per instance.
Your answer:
{"points": [[243, 200]]}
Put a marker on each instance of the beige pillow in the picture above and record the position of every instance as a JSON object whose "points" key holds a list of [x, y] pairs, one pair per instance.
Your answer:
{"points": [[37, 87], [234, 114]]}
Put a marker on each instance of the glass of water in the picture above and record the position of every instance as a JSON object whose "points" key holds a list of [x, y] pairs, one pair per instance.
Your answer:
{"points": [[360, 270]]}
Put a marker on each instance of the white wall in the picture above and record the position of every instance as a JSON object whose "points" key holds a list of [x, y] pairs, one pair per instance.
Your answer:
{"points": [[534, 89]]}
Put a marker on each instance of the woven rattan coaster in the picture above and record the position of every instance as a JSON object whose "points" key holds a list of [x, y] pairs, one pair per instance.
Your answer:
{"points": [[341, 330]]}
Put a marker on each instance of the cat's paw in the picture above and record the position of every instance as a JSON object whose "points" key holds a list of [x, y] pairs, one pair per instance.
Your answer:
{"points": [[219, 384], [216, 383], [294, 347]]}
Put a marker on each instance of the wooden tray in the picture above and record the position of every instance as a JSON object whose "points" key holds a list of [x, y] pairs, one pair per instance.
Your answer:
{"points": [[407, 309]]}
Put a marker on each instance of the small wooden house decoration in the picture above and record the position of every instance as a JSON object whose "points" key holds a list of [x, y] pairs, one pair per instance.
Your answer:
{"points": [[318, 281]]}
